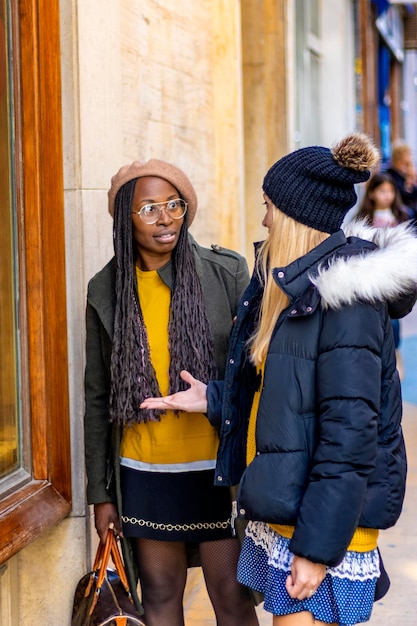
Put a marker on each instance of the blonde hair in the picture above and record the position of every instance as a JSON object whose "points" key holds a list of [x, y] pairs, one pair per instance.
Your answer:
{"points": [[399, 151], [287, 241]]}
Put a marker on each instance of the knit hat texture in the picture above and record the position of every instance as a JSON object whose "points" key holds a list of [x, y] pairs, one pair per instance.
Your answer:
{"points": [[315, 185], [161, 169]]}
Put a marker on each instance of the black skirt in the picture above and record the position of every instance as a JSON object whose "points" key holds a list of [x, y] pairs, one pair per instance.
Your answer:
{"points": [[184, 506]]}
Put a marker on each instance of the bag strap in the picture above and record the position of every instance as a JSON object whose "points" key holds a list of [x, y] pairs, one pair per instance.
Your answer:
{"points": [[94, 572], [117, 560], [105, 558], [101, 562], [99, 556], [100, 567]]}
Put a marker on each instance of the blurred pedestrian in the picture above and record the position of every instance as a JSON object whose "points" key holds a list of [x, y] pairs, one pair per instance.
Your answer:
{"points": [[310, 408], [382, 207], [381, 204], [162, 304], [402, 171]]}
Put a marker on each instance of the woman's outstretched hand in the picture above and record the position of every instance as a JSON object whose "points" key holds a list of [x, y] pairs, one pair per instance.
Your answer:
{"points": [[193, 400]]}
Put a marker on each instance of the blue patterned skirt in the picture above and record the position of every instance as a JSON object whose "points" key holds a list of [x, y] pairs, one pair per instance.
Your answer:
{"points": [[345, 596]]}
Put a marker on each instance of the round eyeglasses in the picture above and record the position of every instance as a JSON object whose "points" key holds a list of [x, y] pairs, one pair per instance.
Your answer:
{"points": [[150, 213]]}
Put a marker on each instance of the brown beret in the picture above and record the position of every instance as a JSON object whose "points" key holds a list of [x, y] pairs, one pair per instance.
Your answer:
{"points": [[161, 169]]}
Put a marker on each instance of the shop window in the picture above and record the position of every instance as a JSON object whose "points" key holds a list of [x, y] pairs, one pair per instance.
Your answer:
{"points": [[34, 415], [10, 450], [308, 74]]}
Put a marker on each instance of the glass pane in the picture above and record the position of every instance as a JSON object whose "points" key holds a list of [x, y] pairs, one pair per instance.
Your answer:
{"points": [[308, 82], [299, 74], [314, 99], [9, 414], [313, 25]]}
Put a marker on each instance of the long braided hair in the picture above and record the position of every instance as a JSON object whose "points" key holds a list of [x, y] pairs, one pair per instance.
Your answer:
{"points": [[190, 340]]}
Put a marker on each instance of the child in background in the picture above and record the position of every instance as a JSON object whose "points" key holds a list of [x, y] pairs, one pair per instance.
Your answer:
{"points": [[382, 207], [381, 204]]}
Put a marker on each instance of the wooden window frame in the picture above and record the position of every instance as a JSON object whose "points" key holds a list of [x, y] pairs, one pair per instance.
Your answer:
{"points": [[46, 498]]}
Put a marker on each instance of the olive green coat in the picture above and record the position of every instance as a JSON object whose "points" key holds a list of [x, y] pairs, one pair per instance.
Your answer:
{"points": [[224, 276]]}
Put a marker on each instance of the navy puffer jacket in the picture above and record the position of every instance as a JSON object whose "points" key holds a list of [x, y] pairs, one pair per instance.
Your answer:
{"points": [[330, 451]]}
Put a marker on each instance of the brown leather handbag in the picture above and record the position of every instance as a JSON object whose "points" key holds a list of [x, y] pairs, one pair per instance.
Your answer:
{"points": [[102, 597]]}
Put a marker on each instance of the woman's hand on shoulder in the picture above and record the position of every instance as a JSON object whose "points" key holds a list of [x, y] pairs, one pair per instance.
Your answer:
{"points": [[105, 517], [305, 578], [192, 400]]}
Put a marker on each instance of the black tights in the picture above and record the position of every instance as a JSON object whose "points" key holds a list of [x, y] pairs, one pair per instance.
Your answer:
{"points": [[162, 567]]}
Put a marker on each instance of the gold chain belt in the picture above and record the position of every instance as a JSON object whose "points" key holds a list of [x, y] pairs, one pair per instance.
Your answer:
{"points": [[176, 527]]}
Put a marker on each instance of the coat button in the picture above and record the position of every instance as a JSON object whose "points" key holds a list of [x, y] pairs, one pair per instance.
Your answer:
{"points": [[246, 303], [227, 422], [220, 478], [231, 361], [309, 309], [242, 511], [294, 311], [281, 274]]}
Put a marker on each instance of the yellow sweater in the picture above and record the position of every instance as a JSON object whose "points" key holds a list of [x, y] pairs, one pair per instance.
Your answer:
{"points": [[177, 442], [363, 540]]}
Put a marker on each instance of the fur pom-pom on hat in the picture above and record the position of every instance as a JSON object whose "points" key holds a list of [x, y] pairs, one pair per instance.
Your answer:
{"points": [[357, 152], [160, 169], [315, 185]]}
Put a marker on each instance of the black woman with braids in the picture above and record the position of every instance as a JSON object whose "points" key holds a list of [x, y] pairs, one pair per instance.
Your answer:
{"points": [[161, 305]]}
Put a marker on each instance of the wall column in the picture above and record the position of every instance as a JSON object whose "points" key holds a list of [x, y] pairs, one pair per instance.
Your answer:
{"points": [[264, 35]]}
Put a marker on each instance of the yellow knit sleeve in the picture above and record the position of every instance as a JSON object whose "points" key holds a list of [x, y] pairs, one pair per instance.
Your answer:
{"points": [[251, 438], [363, 540]]}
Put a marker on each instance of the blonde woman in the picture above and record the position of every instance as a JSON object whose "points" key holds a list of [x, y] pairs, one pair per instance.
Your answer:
{"points": [[310, 407]]}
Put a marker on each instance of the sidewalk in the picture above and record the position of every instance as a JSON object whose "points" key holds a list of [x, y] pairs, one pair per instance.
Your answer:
{"points": [[398, 545]]}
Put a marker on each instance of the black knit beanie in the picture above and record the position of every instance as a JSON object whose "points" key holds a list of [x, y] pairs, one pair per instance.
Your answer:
{"points": [[315, 185]]}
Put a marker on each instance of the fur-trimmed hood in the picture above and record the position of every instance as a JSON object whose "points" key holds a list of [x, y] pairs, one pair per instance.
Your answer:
{"points": [[385, 273]]}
